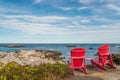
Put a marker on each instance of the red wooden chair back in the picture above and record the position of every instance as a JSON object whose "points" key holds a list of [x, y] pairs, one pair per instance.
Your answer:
{"points": [[103, 52], [77, 56]]}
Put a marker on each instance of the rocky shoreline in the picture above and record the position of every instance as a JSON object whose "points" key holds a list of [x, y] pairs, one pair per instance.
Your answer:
{"points": [[31, 57], [37, 57]]}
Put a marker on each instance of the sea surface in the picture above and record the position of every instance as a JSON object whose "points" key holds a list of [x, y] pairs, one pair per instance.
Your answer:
{"points": [[91, 49]]}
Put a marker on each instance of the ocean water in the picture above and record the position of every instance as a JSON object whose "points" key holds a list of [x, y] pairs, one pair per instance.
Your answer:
{"points": [[114, 48]]}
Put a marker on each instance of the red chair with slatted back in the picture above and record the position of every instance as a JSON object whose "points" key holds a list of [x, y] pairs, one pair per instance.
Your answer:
{"points": [[77, 59], [104, 59]]}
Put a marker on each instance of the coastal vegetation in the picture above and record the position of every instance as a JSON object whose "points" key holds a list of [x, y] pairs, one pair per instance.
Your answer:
{"points": [[15, 71]]}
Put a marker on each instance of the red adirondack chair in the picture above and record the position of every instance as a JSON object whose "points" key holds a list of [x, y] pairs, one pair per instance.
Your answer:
{"points": [[77, 59], [104, 58]]}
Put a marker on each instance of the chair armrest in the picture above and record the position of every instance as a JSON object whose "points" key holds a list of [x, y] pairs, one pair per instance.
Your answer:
{"points": [[78, 57], [104, 54], [89, 59]]}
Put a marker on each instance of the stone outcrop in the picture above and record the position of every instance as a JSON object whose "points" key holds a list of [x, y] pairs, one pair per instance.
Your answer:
{"points": [[31, 57], [14, 46], [116, 58], [70, 46], [91, 48]]}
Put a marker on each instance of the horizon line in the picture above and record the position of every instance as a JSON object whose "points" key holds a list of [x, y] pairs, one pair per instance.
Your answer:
{"points": [[59, 43]]}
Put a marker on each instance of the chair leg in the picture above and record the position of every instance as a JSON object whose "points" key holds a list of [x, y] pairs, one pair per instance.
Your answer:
{"points": [[92, 64], [111, 65], [98, 65], [111, 62], [85, 70], [73, 71]]}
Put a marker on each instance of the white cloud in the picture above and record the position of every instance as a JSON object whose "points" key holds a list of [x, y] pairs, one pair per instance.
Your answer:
{"points": [[114, 7], [38, 1], [82, 8], [86, 1], [47, 25], [65, 8], [8, 10], [39, 19], [102, 19], [35, 24], [112, 1], [67, 29], [85, 21]]}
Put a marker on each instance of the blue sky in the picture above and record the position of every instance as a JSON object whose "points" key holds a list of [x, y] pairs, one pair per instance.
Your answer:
{"points": [[59, 21]]}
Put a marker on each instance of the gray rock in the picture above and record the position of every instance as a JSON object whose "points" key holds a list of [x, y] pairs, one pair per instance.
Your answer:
{"points": [[31, 57], [116, 58]]}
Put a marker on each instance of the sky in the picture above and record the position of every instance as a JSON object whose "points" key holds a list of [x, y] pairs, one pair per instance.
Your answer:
{"points": [[59, 21]]}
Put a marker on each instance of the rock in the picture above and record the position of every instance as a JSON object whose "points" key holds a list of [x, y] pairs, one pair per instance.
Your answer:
{"points": [[14, 46], [96, 54], [31, 57], [91, 48], [70, 46], [116, 58], [118, 47], [50, 54], [3, 54], [63, 57]]}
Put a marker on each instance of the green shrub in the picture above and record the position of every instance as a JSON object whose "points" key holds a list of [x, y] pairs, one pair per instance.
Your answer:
{"points": [[14, 71], [1, 65]]}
